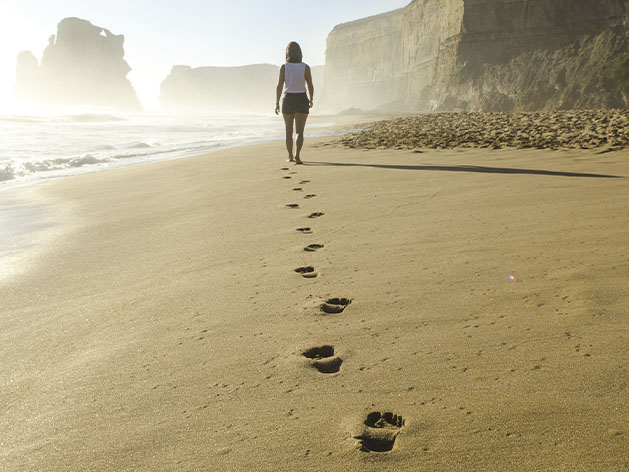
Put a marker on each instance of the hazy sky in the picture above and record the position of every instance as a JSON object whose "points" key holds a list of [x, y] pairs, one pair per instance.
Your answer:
{"points": [[163, 33]]}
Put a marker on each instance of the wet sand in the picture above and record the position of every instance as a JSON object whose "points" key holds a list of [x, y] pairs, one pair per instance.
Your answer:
{"points": [[454, 310]]}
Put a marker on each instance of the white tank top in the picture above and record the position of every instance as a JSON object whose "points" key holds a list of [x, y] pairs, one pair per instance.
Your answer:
{"points": [[294, 77]]}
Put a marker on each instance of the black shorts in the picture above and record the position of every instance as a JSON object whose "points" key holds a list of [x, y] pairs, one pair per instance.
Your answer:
{"points": [[295, 103]]}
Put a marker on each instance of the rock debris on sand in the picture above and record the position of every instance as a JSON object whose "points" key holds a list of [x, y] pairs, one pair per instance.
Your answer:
{"points": [[581, 129]]}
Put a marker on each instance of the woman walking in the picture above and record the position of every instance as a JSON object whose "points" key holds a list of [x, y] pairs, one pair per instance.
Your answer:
{"points": [[294, 76]]}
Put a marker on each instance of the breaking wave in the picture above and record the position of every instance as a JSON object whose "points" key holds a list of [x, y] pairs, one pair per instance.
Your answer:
{"points": [[6, 173], [81, 118], [37, 147], [92, 118]]}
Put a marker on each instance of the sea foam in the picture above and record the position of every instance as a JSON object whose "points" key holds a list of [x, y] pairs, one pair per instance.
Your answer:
{"points": [[44, 146]]}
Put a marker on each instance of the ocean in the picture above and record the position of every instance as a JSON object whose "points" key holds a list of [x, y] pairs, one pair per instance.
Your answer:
{"points": [[36, 147]]}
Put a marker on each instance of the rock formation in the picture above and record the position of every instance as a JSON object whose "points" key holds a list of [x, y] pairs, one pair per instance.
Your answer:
{"points": [[364, 64], [83, 65], [318, 73], [482, 55], [242, 89], [248, 88]]}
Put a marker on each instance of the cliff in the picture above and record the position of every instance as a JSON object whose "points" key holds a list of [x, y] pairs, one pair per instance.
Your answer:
{"points": [[83, 65], [318, 74], [243, 89], [482, 55], [364, 65]]}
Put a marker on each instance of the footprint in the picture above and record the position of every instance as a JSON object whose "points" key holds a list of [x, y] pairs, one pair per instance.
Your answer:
{"points": [[292, 205], [323, 359], [287, 177], [304, 182], [334, 306], [380, 432], [313, 247], [297, 189], [311, 195], [284, 168], [308, 272], [316, 215], [304, 230], [292, 173]]}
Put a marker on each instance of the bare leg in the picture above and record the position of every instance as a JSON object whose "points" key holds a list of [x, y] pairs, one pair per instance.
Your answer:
{"points": [[300, 124], [288, 121]]}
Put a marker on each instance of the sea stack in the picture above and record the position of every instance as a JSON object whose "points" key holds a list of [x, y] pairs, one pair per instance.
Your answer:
{"points": [[82, 65]]}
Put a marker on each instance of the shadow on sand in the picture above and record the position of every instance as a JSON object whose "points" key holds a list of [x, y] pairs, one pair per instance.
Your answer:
{"points": [[461, 168]]}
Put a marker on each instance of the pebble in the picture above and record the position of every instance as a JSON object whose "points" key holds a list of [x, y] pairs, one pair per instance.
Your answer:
{"points": [[564, 129]]}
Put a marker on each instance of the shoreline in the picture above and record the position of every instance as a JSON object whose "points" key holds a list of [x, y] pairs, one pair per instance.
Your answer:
{"points": [[167, 329], [559, 130], [320, 126]]}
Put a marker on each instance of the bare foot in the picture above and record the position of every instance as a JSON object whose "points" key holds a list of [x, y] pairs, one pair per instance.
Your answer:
{"points": [[298, 160]]}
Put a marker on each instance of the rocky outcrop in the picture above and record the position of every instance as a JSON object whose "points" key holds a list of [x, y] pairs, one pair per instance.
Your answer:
{"points": [[243, 89], [318, 73], [364, 66], [83, 65], [604, 130], [472, 55]]}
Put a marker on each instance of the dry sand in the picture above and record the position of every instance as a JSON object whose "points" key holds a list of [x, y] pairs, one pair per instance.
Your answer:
{"points": [[163, 326], [604, 130]]}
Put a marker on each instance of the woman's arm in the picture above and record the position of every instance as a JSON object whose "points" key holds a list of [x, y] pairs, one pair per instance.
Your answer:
{"points": [[278, 91], [308, 77]]}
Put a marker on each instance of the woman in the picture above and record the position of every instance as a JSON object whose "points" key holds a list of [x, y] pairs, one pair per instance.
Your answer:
{"points": [[294, 75]]}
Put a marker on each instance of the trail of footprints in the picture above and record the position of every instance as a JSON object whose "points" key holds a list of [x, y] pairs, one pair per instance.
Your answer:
{"points": [[379, 429]]}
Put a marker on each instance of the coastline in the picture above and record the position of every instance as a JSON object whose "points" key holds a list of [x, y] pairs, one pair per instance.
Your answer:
{"points": [[28, 223], [40, 148], [166, 329]]}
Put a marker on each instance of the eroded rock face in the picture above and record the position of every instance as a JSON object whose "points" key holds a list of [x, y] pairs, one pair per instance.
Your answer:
{"points": [[27, 76], [364, 65], [241, 89], [83, 65], [473, 55], [248, 88]]}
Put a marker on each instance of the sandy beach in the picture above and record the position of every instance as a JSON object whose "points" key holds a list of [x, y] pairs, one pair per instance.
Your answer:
{"points": [[455, 309]]}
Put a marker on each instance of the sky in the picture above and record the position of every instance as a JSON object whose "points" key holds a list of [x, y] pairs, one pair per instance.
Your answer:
{"points": [[163, 33]]}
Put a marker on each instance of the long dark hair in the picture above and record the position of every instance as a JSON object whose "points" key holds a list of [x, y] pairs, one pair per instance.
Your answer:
{"points": [[293, 53]]}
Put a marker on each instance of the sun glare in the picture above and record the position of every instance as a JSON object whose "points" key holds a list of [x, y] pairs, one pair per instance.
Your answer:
{"points": [[19, 33]]}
